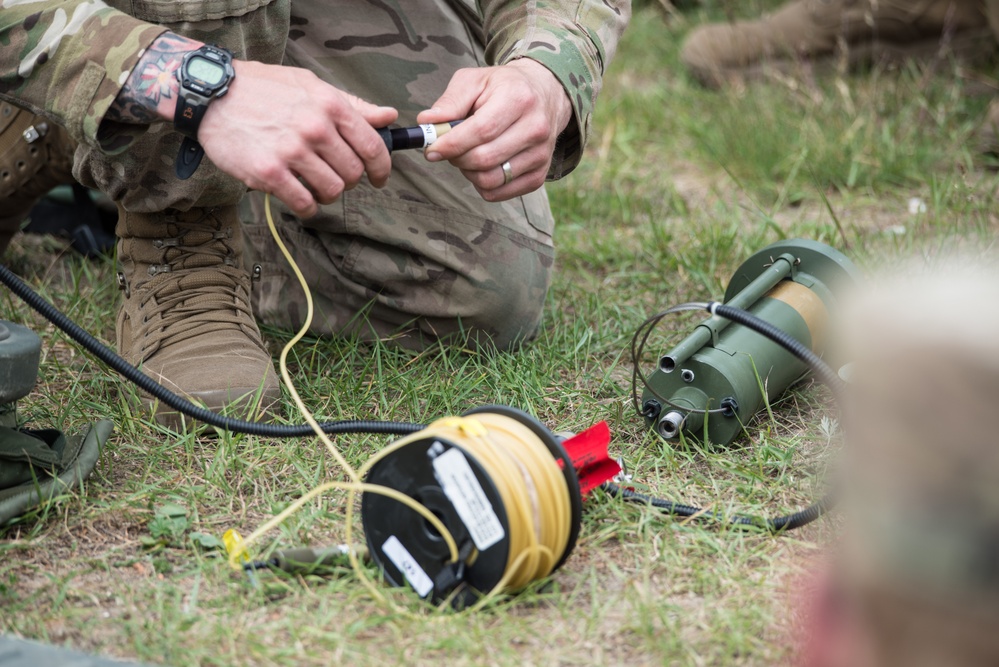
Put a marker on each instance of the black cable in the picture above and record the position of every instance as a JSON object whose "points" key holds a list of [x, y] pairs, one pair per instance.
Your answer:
{"points": [[158, 391], [822, 371], [775, 525]]}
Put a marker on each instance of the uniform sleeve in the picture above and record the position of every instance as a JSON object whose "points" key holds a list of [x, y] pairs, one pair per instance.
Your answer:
{"points": [[69, 59], [574, 39]]}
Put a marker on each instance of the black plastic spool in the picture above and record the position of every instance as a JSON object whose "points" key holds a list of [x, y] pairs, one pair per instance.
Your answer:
{"points": [[410, 471]]}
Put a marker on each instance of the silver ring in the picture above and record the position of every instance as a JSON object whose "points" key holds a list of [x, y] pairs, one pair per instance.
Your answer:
{"points": [[507, 172]]}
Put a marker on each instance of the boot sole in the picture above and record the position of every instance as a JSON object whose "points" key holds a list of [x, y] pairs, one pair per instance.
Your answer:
{"points": [[967, 47], [250, 404]]}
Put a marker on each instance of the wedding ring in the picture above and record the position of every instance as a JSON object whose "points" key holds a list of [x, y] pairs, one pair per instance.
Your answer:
{"points": [[507, 172]]}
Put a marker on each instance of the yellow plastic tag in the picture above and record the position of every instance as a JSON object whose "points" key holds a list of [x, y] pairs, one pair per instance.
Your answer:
{"points": [[236, 549]]}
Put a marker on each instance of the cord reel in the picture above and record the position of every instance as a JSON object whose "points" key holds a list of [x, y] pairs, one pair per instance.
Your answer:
{"points": [[502, 484]]}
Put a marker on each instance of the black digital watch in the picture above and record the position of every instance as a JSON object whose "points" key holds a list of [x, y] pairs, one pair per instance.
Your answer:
{"points": [[203, 75]]}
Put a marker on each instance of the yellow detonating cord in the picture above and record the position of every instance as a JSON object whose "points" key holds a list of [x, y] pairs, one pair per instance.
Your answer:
{"points": [[532, 486]]}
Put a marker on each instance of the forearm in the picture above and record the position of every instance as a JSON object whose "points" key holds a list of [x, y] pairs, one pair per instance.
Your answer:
{"points": [[150, 92], [67, 60], [575, 40]]}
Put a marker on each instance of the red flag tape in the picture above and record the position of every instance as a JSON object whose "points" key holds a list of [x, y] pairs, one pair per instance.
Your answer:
{"points": [[588, 453]]}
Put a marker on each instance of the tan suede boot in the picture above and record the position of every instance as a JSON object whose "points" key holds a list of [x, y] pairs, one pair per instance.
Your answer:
{"points": [[35, 156], [862, 31], [186, 317]]}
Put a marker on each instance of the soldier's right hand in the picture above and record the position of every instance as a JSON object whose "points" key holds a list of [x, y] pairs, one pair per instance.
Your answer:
{"points": [[279, 128]]}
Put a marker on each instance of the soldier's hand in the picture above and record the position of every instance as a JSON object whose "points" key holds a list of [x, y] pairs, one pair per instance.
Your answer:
{"points": [[514, 112], [279, 128]]}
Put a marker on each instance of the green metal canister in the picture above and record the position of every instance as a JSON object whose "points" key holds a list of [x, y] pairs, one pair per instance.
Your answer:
{"points": [[718, 377]]}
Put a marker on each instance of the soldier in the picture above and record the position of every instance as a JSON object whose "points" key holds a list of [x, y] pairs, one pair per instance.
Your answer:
{"points": [[862, 31], [441, 253], [915, 575]]}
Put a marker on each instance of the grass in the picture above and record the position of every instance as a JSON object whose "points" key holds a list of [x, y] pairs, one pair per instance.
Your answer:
{"points": [[679, 186]]}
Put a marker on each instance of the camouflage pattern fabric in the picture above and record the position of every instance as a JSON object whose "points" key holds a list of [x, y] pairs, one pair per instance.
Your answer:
{"points": [[68, 60], [132, 164], [575, 40], [423, 259]]}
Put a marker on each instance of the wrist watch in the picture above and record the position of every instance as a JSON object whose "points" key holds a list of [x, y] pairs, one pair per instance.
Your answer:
{"points": [[203, 75]]}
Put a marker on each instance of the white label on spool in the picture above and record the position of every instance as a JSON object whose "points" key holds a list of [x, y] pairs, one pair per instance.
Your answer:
{"points": [[464, 491], [404, 561]]}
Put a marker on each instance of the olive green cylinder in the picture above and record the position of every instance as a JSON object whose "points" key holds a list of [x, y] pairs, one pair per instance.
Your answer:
{"points": [[731, 371]]}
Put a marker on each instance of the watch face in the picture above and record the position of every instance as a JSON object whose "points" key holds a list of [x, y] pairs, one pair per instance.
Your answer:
{"points": [[205, 70]]}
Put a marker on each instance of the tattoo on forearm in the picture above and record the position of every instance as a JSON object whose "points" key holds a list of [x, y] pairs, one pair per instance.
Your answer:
{"points": [[151, 88]]}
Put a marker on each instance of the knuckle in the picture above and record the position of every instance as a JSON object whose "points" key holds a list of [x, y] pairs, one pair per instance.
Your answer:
{"points": [[464, 73], [538, 132], [522, 97], [482, 158], [269, 172], [332, 103], [332, 191], [313, 130], [302, 203], [352, 172], [369, 146]]}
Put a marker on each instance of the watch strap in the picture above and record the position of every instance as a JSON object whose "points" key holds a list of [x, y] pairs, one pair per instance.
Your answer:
{"points": [[188, 158], [187, 116]]}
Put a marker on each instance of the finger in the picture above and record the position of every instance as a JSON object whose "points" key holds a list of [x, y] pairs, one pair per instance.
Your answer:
{"points": [[458, 98], [513, 142], [357, 129], [376, 116], [487, 124], [492, 186], [526, 162], [325, 184], [294, 194], [339, 156]]}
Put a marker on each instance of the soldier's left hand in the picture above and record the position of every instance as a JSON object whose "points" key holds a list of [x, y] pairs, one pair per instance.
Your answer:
{"points": [[514, 113]]}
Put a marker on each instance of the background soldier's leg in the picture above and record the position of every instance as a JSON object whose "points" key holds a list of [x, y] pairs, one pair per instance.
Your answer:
{"points": [[425, 258]]}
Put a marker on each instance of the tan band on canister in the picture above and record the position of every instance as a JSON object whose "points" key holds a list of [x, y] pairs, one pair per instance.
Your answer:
{"points": [[441, 129], [808, 304]]}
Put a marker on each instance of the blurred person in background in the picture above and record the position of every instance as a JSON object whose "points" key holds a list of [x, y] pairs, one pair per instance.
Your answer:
{"points": [[818, 33], [915, 581]]}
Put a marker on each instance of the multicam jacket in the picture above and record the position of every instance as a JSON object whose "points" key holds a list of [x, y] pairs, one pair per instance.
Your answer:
{"points": [[68, 59]]}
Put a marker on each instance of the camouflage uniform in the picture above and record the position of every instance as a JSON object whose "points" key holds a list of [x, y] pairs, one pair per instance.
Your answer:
{"points": [[426, 255]]}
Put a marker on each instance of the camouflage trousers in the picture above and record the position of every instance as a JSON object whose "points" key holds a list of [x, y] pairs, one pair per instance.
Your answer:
{"points": [[421, 260], [426, 257]]}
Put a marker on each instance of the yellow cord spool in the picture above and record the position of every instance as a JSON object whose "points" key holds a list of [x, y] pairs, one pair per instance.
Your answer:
{"points": [[502, 485], [537, 512]]}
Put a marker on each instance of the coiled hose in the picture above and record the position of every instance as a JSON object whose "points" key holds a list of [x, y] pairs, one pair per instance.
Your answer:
{"points": [[158, 391]]}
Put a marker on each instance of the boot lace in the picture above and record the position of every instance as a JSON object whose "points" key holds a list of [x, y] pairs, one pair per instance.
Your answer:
{"points": [[198, 289]]}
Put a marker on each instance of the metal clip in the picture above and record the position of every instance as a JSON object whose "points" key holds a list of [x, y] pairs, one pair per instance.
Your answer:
{"points": [[35, 132], [123, 284], [623, 477]]}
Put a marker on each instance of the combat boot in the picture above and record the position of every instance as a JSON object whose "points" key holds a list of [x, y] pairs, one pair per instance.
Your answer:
{"points": [[860, 31], [35, 156], [186, 316]]}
